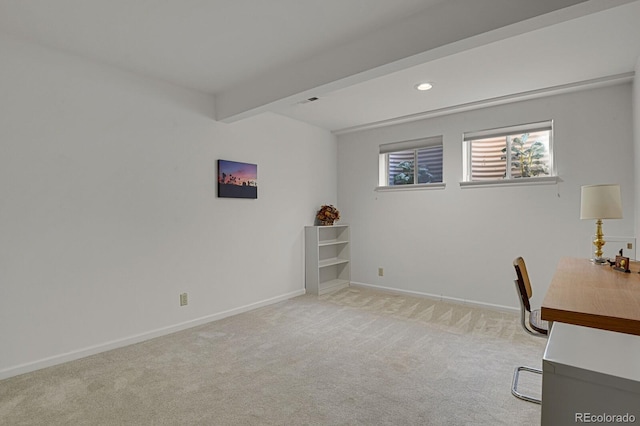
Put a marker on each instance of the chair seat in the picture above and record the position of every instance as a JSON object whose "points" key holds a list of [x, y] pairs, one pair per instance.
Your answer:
{"points": [[537, 323]]}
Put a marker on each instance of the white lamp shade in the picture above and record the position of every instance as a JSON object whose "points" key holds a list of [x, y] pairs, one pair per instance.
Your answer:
{"points": [[601, 202]]}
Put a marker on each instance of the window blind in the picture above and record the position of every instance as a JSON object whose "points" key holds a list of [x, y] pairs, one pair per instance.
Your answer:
{"points": [[520, 129], [409, 145]]}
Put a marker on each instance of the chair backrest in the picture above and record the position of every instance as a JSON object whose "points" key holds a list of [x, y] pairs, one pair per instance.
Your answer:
{"points": [[524, 285]]}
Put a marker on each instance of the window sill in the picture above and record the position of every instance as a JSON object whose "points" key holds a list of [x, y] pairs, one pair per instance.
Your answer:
{"points": [[546, 180], [412, 187]]}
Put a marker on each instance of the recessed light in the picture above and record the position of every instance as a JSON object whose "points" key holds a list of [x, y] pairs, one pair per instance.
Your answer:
{"points": [[423, 86]]}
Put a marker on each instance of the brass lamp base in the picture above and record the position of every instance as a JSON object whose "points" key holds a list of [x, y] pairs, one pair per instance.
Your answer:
{"points": [[599, 242]]}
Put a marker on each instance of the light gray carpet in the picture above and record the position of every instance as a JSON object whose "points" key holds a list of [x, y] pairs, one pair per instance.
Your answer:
{"points": [[354, 357]]}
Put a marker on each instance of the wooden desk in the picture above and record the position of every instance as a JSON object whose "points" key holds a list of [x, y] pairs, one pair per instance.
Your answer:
{"points": [[597, 296]]}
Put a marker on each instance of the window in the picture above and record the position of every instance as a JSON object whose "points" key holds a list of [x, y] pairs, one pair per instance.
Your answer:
{"points": [[510, 153], [411, 163]]}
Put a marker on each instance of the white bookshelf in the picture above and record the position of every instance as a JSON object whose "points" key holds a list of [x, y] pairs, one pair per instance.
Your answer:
{"points": [[327, 258]]}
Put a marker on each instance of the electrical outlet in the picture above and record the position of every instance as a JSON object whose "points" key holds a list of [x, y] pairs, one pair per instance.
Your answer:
{"points": [[630, 246], [184, 301], [381, 272]]}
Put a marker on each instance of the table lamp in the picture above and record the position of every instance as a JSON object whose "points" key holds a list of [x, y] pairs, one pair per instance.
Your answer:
{"points": [[600, 202]]}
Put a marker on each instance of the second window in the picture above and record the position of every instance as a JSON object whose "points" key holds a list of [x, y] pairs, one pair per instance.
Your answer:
{"points": [[515, 152]]}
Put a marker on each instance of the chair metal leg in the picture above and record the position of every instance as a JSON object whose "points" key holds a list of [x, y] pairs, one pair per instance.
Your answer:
{"points": [[523, 318], [514, 384]]}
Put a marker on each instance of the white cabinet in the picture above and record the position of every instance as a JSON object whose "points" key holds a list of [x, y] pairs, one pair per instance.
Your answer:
{"points": [[327, 258], [590, 376]]}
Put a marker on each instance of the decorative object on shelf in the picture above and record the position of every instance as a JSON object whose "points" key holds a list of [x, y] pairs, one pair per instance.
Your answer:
{"points": [[600, 202], [327, 215], [237, 180]]}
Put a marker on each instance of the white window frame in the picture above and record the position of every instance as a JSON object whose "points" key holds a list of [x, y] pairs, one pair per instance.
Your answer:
{"points": [[415, 145], [467, 137]]}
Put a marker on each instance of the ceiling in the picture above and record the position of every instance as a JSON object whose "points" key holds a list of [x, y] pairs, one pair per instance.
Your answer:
{"points": [[360, 58]]}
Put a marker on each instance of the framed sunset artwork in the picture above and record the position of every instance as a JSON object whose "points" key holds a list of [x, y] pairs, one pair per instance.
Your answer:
{"points": [[237, 180]]}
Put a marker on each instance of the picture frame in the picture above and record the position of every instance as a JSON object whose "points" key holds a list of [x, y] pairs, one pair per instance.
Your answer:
{"points": [[622, 264], [237, 179]]}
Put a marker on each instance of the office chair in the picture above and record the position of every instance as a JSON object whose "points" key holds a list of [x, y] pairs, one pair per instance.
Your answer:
{"points": [[530, 321]]}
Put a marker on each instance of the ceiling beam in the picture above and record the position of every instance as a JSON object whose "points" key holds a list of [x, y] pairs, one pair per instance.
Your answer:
{"points": [[444, 29]]}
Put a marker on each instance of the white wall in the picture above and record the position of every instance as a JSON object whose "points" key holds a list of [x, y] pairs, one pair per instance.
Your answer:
{"points": [[109, 208], [460, 243]]}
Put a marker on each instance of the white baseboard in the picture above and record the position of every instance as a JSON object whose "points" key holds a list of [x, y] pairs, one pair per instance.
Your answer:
{"points": [[119, 343], [439, 297]]}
